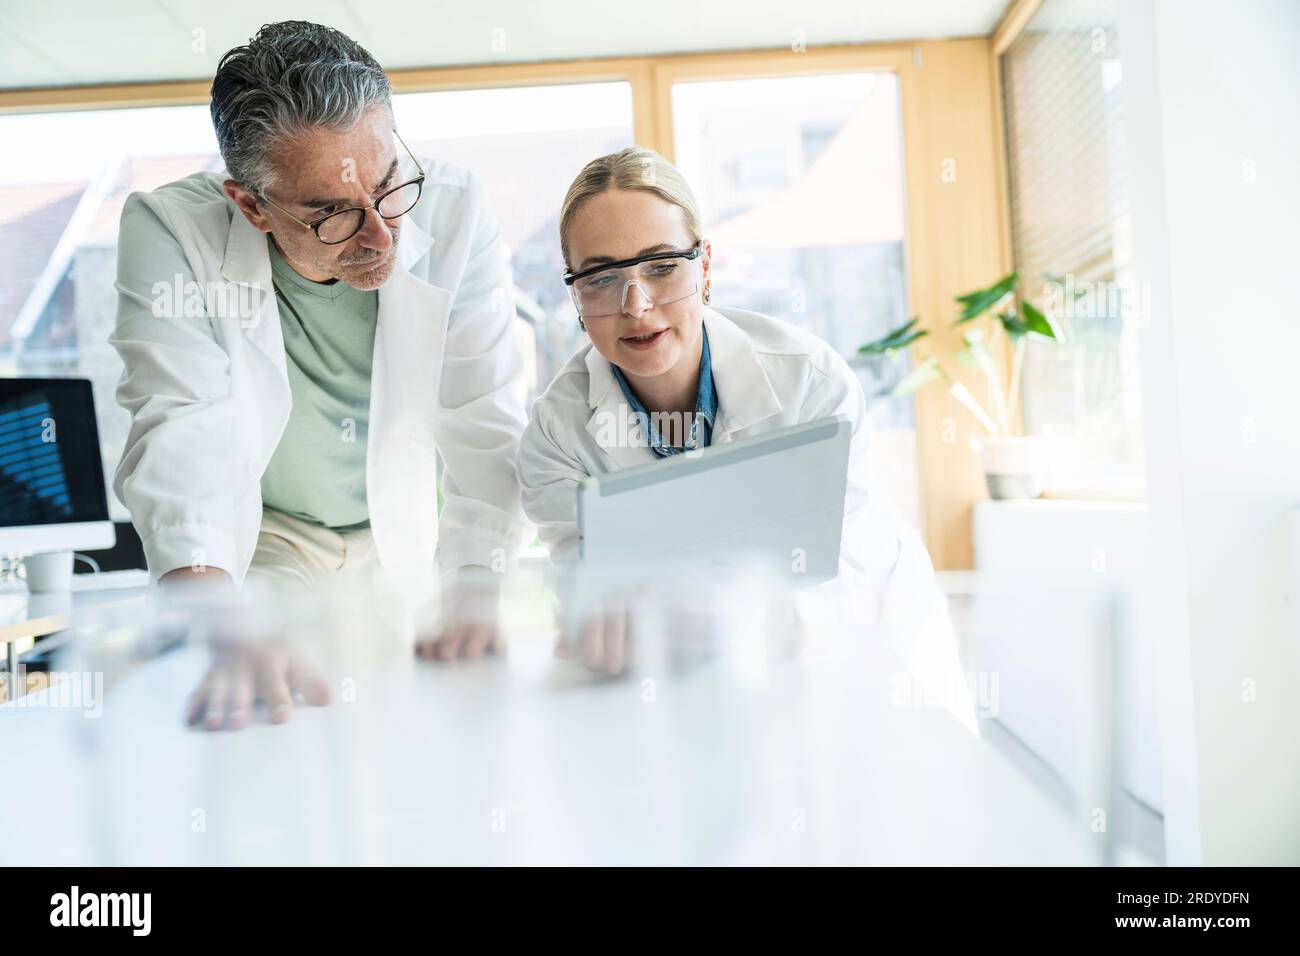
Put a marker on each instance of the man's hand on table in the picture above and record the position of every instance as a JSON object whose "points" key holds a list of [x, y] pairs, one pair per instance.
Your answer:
{"points": [[468, 626], [243, 672]]}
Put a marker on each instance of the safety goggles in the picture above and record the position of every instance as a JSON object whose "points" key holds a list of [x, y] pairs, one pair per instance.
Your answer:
{"points": [[661, 278]]}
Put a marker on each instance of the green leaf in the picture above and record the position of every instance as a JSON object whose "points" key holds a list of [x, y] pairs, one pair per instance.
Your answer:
{"points": [[921, 376], [974, 304], [892, 341], [1009, 280], [1035, 321], [1015, 328], [918, 334]]}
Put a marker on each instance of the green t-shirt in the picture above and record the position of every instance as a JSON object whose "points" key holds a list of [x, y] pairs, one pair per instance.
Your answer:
{"points": [[318, 471]]}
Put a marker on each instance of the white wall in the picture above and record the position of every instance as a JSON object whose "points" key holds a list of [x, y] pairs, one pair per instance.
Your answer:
{"points": [[1213, 100], [1098, 548]]}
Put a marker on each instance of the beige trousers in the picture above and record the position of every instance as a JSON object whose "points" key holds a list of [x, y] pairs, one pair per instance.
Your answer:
{"points": [[295, 553]]}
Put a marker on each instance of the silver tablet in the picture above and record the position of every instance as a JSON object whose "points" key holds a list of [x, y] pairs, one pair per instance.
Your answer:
{"points": [[775, 501]]}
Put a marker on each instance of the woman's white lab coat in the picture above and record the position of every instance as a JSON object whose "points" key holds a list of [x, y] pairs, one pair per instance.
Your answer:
{"points": [[767, 374], [198, 330]]}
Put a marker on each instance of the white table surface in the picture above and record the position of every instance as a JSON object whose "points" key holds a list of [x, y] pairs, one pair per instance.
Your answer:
{"points": [[527, 759]]}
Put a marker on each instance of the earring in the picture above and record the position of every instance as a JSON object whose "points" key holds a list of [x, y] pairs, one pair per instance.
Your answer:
{"points": [[582, 325], [707, 289]]}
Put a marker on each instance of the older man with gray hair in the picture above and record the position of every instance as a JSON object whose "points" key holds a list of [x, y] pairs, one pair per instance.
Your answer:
{"points": [[344, 323]]}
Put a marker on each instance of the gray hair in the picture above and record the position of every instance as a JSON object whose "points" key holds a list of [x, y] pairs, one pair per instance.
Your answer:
{"points": [[292, 77]]}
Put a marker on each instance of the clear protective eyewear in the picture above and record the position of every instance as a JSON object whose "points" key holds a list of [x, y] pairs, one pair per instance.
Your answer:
{"points": [[661, 277]]}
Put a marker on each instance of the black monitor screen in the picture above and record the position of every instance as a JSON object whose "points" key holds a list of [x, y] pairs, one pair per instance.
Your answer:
{"points": [[50, 471]]}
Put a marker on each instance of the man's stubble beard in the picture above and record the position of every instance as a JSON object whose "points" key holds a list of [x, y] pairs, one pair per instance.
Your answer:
{"points": [[370, 274]]}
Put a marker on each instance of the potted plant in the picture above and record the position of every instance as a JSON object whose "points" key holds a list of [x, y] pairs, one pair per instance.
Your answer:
{"points": [[1009, 461]]}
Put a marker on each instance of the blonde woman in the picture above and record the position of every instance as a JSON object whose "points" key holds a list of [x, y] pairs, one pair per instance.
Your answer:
{"points": [[677, 372]]}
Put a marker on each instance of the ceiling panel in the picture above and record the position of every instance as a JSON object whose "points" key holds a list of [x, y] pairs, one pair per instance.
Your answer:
{"points": [[89, 41]]}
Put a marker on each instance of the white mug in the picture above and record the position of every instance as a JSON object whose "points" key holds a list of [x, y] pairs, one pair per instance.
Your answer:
{"points": [[49, 573]]}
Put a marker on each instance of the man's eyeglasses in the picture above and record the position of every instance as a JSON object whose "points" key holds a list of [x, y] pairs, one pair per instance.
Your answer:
{"points": [[662, 277], [342, 225]]}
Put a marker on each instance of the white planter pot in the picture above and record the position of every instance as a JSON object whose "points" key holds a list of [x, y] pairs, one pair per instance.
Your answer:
{"points": [[1011, 465]]}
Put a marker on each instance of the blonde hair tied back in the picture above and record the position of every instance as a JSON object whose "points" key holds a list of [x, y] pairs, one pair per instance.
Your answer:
{"points": [[635, 167]]}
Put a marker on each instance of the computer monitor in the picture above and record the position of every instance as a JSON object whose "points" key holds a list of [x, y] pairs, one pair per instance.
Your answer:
{"points": [[52, 495]]}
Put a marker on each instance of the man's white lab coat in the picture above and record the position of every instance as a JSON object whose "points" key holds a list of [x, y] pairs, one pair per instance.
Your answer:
{"points": [[198, 329]]}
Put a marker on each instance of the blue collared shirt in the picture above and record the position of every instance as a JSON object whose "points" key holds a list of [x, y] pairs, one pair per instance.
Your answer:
{"points": [[699, 432]]}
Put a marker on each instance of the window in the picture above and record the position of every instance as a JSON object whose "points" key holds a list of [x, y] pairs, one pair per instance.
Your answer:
{"points": [[61, 197], [799, 171], [1070, 223], [527, 144], [801, 188], [61, 193]]}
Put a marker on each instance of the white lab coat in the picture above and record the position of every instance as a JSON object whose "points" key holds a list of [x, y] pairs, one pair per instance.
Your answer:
{"points": [[209, 395], [767, 374]]}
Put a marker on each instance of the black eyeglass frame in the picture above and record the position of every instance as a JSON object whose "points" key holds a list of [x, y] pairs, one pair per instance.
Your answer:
{"points": [[315, 225], [691, 254]]}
